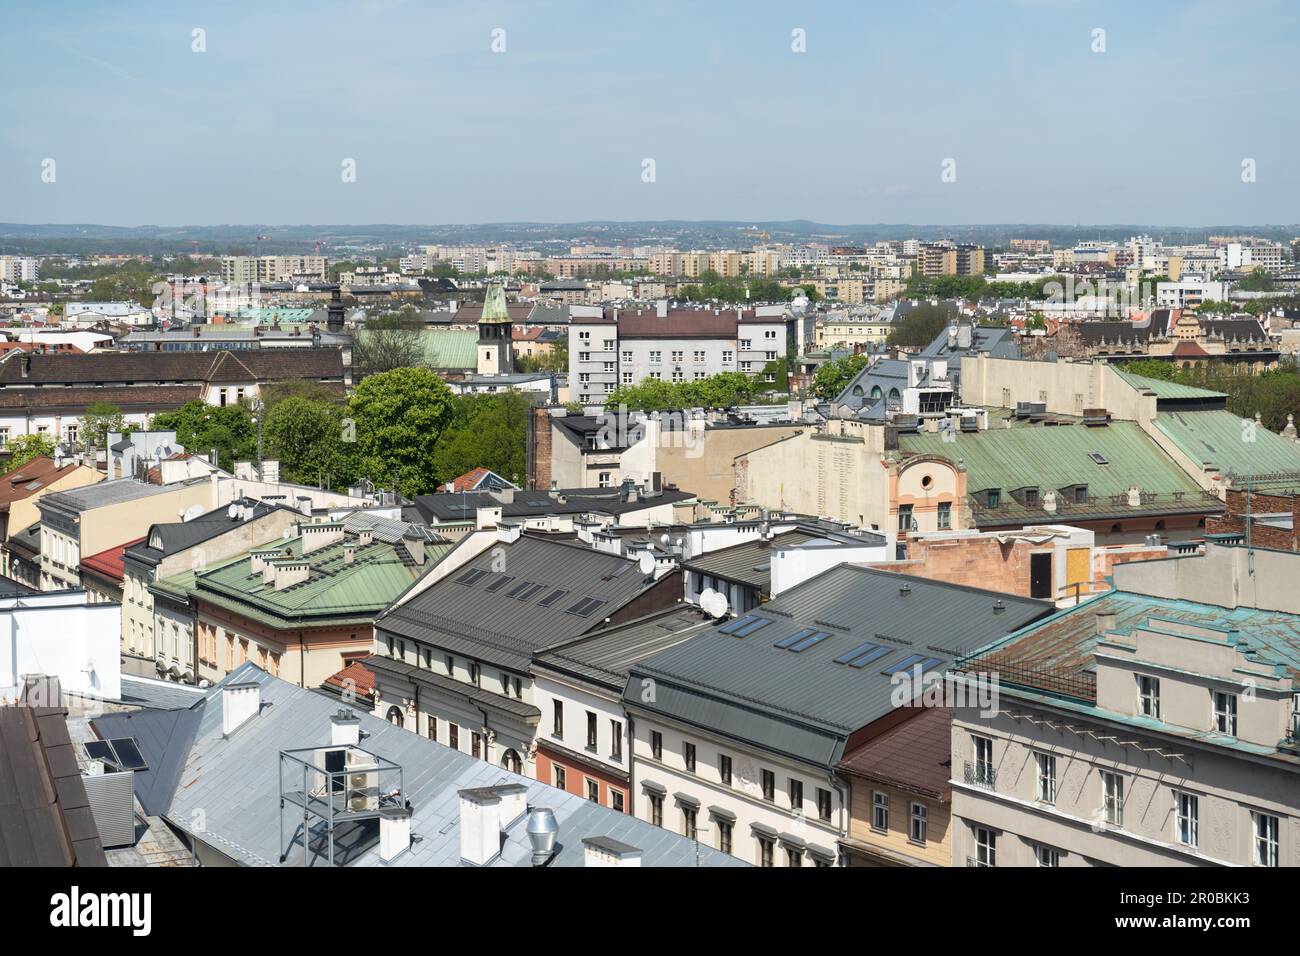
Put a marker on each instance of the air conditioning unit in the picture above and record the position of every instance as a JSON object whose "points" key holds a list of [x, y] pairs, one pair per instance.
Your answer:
{"points": [[362, 782]]}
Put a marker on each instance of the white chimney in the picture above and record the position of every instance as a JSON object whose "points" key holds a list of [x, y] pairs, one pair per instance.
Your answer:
{"points": [[394, 832], [514, 802], [480, 825], [1134, 497], [239, 703], [604, 851], [509, 533], [349, 553], [365, 536], [345, 729], [413, 542]]}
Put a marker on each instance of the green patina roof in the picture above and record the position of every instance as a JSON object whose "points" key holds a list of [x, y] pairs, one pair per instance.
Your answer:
{"points": [[494, 305], [1223, 441], [334, 593], [265, 315], [1163, 389], [447, 348], [1057, 457]]}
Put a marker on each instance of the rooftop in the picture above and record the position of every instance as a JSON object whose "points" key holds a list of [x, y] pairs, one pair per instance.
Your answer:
{"points": [[915, 756], [105, 493]]}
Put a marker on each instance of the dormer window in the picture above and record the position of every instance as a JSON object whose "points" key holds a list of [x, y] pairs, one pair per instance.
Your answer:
{"points": [[1031, 497], [1148, 696], [1225, 713], [1080, 494], [995, 497]]}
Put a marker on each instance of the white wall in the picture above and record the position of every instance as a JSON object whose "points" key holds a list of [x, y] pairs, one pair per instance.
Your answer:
{"points": [[61, 635]]}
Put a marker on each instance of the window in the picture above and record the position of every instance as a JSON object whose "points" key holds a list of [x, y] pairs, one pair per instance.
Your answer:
{"points": [[920, 822], [986, 847], [823, 803], [451, 665], [656, 357], [904, 517], [1112, 797], [616, 737], [765, 848], [1047, 856], [656, 809], [879, 811], [616, 801], [724, 768], [593, 790], [995, 498], [677, 355], [1225, 713], [1265, 839], [1148, 696], [1046, 778], [688, 755], [796, 794], [473, 672], [945, 515], [591, 730], [453, 736], [395, 716], [476, 744], [689, 828], [657, 745], [560, 776], [983, 775], [724, 835], [433, 727], [769, 786], [557, 728], [1187, 823]]}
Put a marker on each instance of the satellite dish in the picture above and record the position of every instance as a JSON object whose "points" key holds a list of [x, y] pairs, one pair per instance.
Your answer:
{"points": [[646, 562], [232, 511], [713, 602], [192, 512], [664, 539]]}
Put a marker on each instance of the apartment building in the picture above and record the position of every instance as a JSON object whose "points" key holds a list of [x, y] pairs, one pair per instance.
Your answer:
{"points": [[738, 732], [1158, 725], [249, 269], [614, 348], [20, 269]]}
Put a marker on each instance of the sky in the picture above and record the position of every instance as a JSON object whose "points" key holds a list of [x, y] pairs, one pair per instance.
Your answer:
{"points": [[1044, 119]]}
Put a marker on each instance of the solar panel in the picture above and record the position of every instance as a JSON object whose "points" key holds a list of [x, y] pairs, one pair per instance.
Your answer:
{"points": [[863, 654], [100, 750], [128, 754]]}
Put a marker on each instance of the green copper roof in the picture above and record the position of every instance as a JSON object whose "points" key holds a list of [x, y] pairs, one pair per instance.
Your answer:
{"points": [[1057, 456], [1163, 389], [494, 305], [1222, 441], [335, 592], [446, 348]]}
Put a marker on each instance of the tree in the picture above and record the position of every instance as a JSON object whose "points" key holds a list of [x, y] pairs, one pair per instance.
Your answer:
{"points": [[200, 427], [834, 377], [275, 392], [24, 448], [390, 341], [919, 327], [398, 418], [98, 420], [310, 440], [1259, 280], [486, 431]]}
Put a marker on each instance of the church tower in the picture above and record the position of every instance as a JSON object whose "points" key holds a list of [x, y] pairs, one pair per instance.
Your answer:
{"points": [[496, 353]]}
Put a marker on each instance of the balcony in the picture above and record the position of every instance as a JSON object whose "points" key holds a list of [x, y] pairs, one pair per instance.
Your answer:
{"points": [[980, 775]]}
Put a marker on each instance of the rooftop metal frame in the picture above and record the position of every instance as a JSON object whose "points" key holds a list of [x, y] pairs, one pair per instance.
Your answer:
{"points": [[352, 787]]}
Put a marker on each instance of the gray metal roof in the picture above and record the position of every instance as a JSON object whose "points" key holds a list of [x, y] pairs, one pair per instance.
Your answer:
{"points": [[231, 784], [164, 737], [605, 657], [804, 704], [492, 626], [104, 493], [749, 563], [177, 536]]}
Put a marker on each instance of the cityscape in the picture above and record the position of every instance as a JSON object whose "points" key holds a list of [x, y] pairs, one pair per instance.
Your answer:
{"points": [[567, 519]]}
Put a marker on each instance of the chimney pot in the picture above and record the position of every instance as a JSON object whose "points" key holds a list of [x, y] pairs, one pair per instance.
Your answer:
{"points": [[394, 832], [542, 831]]}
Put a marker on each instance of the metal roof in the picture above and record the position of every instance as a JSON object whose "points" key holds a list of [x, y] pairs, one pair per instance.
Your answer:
{"points": [[1167, 390], [493, 625], [749, 563], [804, 704], [1220, 440], [231, 783], [104, 493]]}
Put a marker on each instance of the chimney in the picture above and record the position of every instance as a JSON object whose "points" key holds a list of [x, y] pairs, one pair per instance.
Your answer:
{"points": [[349, 553], [365, 536], [1049, 501], [394, 832], [345, 729], [661, 308], [1105, 621], [508, 532], [1134, 497], [480, 825], [413, 542], [288, 573], [542, 831], [604, 851], [514, 802], [239, 703]]}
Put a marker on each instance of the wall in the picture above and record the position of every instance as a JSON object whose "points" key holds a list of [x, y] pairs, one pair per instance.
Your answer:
{"points": [[705, 465], [896, 839], [61, 635], [24, 513], [1067, 388]]}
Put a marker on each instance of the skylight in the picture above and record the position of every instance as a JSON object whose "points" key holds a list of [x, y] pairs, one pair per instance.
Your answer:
{"points": [[802, 640], [470, 576], [584, 607], [911, 661], [744, 626], [499, 583], [863, 654], [552, 597]]}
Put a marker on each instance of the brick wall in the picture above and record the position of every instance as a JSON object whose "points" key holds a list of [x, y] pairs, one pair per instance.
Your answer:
{"points": [[539, 450], [1263, 535]]}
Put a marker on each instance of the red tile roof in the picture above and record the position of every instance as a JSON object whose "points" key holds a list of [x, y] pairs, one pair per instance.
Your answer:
{"points": [[30, 478], [354, 677], [109, 563], [468, 481], [916, 755], [1188, 348]]}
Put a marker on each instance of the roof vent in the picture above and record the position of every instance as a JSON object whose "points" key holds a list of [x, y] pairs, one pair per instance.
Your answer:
{"points": [[542, 832], [999, 606], [905, 590]]}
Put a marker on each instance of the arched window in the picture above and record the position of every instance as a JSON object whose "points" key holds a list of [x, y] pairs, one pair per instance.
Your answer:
{"points": [[895, 397], [876, 392], [395, 716], [857, 391], [510, 760]]}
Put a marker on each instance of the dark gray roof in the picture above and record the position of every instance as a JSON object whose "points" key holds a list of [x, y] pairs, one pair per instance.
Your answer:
{"points": [[450, 685], [495, 627], [164, 737], [605, 657], [177, 536], [234, 781], [804, 704], [749, 563], [461, 506]]}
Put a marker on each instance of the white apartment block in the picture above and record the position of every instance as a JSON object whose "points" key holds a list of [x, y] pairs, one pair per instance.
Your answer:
{"points": [[19, 269]]}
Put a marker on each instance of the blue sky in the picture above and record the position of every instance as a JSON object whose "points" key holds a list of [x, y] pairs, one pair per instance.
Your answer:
{"points": [[854, 130]]}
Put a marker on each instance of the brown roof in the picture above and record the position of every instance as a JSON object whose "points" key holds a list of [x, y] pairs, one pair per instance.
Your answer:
{"points": [[125, 397], [916, 755], [30, 478], [473, 311], [45, 816], [678, 324], [172, 367], [362, 680]]}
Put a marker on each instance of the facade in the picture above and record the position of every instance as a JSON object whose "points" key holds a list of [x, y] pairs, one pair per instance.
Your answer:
{"points": [[1158, 725], [737, 732], [453, 662], [23, 487]]}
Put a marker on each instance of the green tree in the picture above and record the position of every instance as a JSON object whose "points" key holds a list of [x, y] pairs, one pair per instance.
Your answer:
{"points": [[200, 427], [486, 431], [98, 420], [919, 326], [831, 378], [307, 436], [398, 417], [390, 341], [1259, 280], [275, 392], [24, 448]]}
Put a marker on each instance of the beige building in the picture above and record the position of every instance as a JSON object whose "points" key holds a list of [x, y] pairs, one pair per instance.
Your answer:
{"points": [[1158, 725], [22, 488], [95, 518]]}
